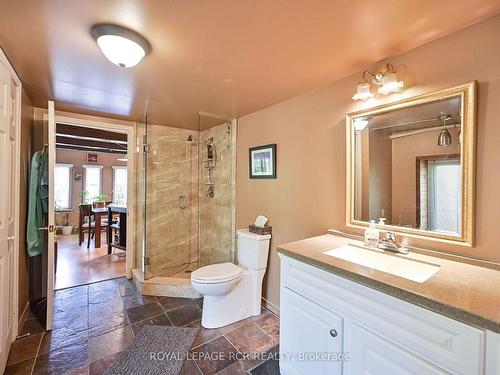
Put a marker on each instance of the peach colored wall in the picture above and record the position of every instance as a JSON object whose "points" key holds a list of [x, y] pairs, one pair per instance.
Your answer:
{"points": [[78, 159], [308, 196], [404, 174], [26, 153]]}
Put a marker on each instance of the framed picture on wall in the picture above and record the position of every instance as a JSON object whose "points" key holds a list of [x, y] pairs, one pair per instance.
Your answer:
{"points": [[92, 158], [263, 161]]}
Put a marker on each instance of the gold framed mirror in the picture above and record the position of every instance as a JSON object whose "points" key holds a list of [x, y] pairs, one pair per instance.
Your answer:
{"points": [[411, 166]]}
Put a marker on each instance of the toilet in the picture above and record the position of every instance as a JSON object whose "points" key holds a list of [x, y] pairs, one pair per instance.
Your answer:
{"points": [[233, 292]]}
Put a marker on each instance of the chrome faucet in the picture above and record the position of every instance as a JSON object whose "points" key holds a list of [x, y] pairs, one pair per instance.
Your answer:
{"points": [[390, 243]]}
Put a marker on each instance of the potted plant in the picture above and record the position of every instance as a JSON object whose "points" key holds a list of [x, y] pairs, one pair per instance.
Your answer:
{"points": [[100, 200], [85, 197], [67, 229]]}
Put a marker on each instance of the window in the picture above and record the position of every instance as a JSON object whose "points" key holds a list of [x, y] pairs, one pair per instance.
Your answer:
{"points": [[62, 186], [93, 178], [120, 185], [444, 195]]}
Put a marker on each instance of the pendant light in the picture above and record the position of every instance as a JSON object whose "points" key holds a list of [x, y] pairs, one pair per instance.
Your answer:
{"points": [[444, 139]]}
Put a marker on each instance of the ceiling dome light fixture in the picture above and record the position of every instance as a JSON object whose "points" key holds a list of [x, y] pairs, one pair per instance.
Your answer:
{"points": [[121, 46], [387, 80]]}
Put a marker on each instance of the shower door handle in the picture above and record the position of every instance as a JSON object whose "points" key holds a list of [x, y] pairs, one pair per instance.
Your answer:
{"points": [[182, 202]]}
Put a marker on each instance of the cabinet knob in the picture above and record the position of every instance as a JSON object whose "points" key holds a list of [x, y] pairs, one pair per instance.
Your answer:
{"points": [[333, 332]]}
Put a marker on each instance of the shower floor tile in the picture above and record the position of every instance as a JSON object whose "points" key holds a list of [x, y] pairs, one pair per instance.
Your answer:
{"points": [[182, 271]]}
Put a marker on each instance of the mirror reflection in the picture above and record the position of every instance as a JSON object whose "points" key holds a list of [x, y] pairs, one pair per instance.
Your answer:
{"points": [[408, 167]]}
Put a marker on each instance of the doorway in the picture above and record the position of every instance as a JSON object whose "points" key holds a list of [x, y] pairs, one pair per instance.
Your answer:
{"points": [[125, 213], [90, 176]]}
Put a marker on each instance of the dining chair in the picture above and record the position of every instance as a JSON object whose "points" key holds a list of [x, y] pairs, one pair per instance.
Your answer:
{"points": [[87, 224]]}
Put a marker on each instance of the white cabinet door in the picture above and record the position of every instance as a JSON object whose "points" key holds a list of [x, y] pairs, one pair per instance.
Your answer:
{"points": [[373, 355], [492, 353], [308, 331]]}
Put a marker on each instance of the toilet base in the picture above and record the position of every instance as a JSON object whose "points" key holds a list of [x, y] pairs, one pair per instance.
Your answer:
{"points": [[241, 302]]}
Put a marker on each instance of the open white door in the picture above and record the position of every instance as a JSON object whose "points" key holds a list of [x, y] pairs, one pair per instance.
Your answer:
{"points": [[51, 122], [7, 211]]}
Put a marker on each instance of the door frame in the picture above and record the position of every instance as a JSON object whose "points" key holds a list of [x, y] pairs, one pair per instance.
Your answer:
{"points": [[126, 127], [17, 173]]}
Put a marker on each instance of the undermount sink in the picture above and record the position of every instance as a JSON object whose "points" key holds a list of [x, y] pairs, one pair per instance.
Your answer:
{"points": [[398, 265]]}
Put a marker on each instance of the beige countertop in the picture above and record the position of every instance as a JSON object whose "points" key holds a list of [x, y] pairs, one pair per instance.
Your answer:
{"points": [[462, 291]]}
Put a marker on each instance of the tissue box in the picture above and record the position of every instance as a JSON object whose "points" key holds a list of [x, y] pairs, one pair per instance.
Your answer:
{"points": [[266, 229]]}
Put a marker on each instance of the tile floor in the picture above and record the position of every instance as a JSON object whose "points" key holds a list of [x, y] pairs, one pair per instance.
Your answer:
{"points": [[77, 265], [94, 323]]}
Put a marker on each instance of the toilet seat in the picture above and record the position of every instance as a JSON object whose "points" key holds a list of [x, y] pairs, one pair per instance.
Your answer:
{"points": [[216, 273]]}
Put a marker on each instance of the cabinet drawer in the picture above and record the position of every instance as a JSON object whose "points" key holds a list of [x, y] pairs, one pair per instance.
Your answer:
{"points": [[447, 343], [371, 354], [308, 332]]}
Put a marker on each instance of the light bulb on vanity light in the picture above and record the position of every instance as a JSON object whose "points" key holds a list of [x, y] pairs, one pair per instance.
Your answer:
{"points": [[390, 84], [363, 92]]}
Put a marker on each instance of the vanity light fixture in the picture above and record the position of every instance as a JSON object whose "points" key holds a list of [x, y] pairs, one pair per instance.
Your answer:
{"points": [[387, 81], [444, 139], [121, 46]]}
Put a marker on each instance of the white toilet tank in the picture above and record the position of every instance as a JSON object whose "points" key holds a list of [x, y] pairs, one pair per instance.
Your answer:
{"points": [[253, 249]]}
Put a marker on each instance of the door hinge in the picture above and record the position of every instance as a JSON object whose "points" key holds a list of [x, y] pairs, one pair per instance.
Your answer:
{"points": [[147, 148], [147, 261]]}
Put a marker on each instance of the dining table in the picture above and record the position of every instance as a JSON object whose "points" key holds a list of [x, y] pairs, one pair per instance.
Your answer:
{"points": [[120, 226], [98, 213]]}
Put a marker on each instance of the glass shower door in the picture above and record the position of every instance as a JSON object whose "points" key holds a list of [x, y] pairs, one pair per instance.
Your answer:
{"points": [[171, 202]]}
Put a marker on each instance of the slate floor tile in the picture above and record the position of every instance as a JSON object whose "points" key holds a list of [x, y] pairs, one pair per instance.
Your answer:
{"points": [[250, 339], [109, 343], [138, 313], [20, 368], [160, 320], [184, 315], [24, 348], [210, 364]]}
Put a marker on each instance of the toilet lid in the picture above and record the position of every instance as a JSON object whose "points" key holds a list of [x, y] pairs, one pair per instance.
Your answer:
{"points": [[216, 273]]}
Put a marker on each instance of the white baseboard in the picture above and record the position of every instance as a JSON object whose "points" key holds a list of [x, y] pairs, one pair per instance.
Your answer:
{"points": [[270, 306]]}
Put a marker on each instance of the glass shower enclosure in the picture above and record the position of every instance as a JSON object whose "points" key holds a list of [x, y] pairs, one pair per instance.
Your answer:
{"points": [[185, 185]]}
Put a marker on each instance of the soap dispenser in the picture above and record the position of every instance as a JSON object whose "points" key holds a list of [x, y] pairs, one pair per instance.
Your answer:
{"points": [[372, 235]]}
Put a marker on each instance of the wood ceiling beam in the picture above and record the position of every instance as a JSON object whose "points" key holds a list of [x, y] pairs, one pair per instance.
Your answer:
{"points": [[79, 131], [89, 149], [78, 142]]}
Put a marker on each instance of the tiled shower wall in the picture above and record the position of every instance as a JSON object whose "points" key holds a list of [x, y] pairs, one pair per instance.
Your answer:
{"points": [[217, 214]]}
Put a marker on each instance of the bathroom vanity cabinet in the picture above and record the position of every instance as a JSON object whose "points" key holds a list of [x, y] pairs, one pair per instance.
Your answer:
{"points": [[323, 313]]}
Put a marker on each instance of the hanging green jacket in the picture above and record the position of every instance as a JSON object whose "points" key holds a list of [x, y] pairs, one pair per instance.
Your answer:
{"points": [[37, 205]]}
